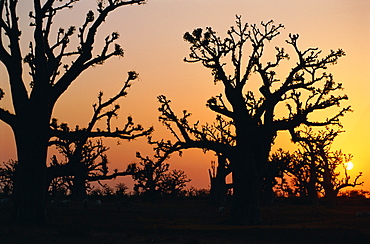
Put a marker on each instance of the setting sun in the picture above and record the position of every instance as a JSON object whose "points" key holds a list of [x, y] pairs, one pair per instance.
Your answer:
{"points": [[348, 165]]}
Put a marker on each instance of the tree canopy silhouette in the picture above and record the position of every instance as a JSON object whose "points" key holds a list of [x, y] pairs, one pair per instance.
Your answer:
{"points": [[53, 66], [315, 165], [247, 122], [153, 178], [81, 153]]}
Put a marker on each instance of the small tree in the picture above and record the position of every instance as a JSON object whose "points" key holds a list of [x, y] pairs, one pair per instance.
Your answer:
{"points": [[148, 175], [319, 164], [173, 183], [274, 176], [298, 166], [217, 177], [60, 186], [7, 177], [121, 189], [153, 179], [85, 160]]}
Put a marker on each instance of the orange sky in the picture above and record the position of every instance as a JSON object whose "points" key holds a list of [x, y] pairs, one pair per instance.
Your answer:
{"points": [[151, 36]]}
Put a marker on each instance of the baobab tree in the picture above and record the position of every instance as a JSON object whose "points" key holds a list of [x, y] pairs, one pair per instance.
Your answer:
{"points": [[315, 165], [252, 117], [53, 67], [217, 176], [81, 154], [153, 178]]}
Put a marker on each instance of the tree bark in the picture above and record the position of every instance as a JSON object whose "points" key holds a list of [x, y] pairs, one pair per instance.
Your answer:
{"points": [[79, 186], [219, 187], [30, 186], [245, 209]]}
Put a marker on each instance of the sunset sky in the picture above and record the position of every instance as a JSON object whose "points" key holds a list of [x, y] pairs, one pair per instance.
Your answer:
{"points": [[151, 36]]}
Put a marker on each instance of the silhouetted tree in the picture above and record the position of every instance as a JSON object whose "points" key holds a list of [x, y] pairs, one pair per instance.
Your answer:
{"points": [[252, 118], [318, 165], [301, 168], [148, 175], [93, 162], [217, 177], [7, 177], [152, 177], [107, 190], [283, 185], [60, 186], [274, 176], [173, 183], [121, 188], [194, 192], [53, 66], [85, 160], [354, 194]]}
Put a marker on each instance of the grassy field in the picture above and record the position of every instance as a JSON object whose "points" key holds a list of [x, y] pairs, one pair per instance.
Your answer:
{"points": [[192, 221]]}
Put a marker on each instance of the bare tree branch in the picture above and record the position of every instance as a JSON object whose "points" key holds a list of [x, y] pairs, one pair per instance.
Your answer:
{"points": [[85, 59]]}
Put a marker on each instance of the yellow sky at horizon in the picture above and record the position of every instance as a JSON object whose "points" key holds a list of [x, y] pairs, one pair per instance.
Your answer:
{"points": [[151, 36]]}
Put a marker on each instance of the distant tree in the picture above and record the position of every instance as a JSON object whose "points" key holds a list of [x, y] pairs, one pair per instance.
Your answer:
{"points": [[252, 118], [284, 185], [274, 176], [355, 194], [152, 178], [194, 192], [300, 167], [121, 189], [148, 175], [217, 177], [59, 187], [173, 183], [85, 160], [91, 162], [7, 177], [53, 66], [316, 165], [107, 190], [95, 191]]}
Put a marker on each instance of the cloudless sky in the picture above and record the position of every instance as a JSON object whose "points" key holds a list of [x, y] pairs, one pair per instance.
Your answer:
{"points": [[151, 36]]}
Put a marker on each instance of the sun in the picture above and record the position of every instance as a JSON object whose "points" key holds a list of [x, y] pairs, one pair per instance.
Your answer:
{"points": [[348, 165]]}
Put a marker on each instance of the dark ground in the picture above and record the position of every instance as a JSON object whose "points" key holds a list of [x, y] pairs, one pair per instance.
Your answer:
{"points": [[192, 221]]}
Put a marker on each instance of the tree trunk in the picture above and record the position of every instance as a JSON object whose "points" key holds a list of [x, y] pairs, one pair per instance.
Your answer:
{"points": [[30, 186], [245, 208], [330, 193], [218, 190], [79, 186], [267, 194], [219, 187], [311, 188]]}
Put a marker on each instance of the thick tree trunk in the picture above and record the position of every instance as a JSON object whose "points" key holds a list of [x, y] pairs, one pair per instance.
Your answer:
{"points": [[218, 190], [30, 186], [79, 187], [330, 193], [267, 193], [311, 189], [245, 208], [247, 169]]}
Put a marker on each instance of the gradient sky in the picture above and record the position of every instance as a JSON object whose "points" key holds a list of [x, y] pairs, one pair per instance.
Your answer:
{"points": [[151, 36]]}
